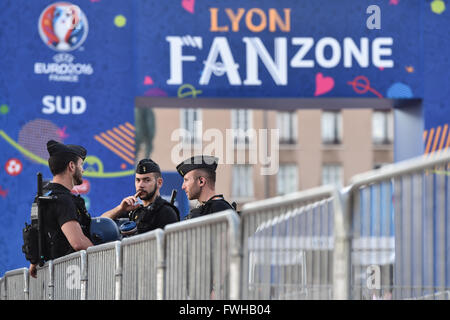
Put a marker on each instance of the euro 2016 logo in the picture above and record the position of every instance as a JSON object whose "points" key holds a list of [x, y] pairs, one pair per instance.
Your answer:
{"points": [[63, 26]]}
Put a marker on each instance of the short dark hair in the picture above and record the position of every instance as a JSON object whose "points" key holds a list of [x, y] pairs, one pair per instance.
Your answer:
{"points": [[58, 163], [157, 174], [154, 174], [209, 174]]}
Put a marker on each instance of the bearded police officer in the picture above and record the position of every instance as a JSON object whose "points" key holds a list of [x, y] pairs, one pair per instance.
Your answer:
{"points": [[199, 173], [155, 212], [66, 221]]}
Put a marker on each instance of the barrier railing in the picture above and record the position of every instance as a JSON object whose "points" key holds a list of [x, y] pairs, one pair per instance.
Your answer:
{"points": [[16, 284], [203, 258], [400, 226], [104, 271], [143, 266], [39, 286], [384, 236], [67, 277], [2, 288]]}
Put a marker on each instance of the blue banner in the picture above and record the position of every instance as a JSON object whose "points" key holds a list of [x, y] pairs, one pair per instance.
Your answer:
{"points": [[279, 49]]}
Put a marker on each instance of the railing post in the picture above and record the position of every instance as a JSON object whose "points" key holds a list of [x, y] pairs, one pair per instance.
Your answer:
{"points": [[51, 281], [160, 265], [234, 236], [26, 282], [342, 244], [84, 275], [2, 289], [118, 271]]}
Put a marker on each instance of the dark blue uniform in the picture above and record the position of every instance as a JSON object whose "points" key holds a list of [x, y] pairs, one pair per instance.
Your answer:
{"points": [[211, 206], [65, 208]]}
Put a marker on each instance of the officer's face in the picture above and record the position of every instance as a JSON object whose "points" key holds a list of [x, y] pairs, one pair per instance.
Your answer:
{"points": [[147, 184], [191, 185], [78, 174]]}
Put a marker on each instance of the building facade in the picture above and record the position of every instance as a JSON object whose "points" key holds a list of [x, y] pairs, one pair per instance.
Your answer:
{"points": [[316, 147]]}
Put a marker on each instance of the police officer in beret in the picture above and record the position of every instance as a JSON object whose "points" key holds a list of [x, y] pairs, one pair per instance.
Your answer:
{"points": [[155, 212], [199, 173], [66, 221]]}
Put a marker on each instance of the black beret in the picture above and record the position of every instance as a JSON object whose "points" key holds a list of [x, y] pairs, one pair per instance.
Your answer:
{"points": [[146, 166], [55, 148], [197, 162]]}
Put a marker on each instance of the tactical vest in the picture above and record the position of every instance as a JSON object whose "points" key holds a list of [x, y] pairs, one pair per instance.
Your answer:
{"points": [[143, 216], [206, 208], [55, 238]]}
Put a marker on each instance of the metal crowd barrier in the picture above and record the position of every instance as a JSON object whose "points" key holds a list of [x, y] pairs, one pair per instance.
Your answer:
{"points": [[2, 288], [143, 266], [383, 237], [15, 284], [288, 246], [67, 277], [39, 286], [104, 271], [400, 222], [203, 258]]}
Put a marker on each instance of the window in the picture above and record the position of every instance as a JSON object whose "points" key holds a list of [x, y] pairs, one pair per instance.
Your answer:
{"points": [[287, 179], [287, 124], [191, 123], [382, 127], [331, 127], [242, 186], [332, 174], [241, 122]]}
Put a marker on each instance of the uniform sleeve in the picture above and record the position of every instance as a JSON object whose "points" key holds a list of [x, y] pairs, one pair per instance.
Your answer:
{"points": [[65, 210], [166, 216]]}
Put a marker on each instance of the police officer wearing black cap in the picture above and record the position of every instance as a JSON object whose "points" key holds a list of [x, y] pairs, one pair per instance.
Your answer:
{"points": [[199, 173], [155, 212], [66, 221]]}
